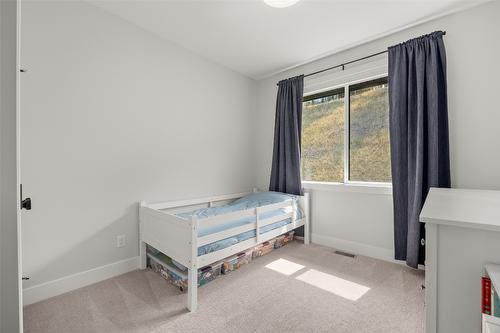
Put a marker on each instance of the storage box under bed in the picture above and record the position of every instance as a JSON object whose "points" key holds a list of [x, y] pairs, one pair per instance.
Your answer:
{"points": [[163, 265]]}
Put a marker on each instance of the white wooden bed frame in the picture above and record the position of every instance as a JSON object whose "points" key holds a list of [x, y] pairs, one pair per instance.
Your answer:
{"points": [[178, 238]]}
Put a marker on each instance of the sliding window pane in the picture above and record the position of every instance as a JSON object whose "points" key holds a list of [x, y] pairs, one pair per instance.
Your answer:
{"points": [[323, 137], [369, 155]]}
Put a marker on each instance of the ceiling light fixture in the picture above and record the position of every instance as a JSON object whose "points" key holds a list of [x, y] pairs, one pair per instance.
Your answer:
{"points": [[281, 3]]}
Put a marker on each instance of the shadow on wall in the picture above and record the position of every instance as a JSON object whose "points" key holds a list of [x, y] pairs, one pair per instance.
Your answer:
{"points": [[95, 251]]}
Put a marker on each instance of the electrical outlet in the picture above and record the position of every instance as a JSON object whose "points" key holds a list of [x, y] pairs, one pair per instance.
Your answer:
{"points": [[121, 241]]}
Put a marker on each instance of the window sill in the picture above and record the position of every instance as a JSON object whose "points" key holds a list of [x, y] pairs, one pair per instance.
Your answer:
{"points": [[368, 188]]}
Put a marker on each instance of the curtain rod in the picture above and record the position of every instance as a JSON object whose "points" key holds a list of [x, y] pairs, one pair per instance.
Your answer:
{"points": [[349, 62]]}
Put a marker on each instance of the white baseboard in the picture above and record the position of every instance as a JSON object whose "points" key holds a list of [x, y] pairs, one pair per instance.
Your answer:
{"points": [[71, 282], [358, 248], [354, 247]]}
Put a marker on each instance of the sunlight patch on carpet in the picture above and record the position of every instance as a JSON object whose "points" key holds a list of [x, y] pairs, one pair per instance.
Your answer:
{"points": [[331, 283], [284, 266]]}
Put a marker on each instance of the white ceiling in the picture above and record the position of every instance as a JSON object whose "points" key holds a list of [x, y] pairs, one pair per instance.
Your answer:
{"points": [[256, 40]]}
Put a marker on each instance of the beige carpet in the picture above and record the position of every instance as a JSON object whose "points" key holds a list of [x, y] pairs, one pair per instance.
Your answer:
{"points": [[330, 293]]}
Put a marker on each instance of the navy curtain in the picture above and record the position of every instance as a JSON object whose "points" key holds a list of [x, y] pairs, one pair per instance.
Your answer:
{"points": [[285, 172], [419, 136]]}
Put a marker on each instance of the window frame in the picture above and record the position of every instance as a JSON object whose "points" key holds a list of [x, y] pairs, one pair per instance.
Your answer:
{"points": [[376, 187]]}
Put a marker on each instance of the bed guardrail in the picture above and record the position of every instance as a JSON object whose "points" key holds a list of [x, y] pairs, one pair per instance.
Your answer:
{"points": [[256, 225]]}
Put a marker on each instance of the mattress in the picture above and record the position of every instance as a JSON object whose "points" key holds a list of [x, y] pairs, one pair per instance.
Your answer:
{"points": [[250, 201]]}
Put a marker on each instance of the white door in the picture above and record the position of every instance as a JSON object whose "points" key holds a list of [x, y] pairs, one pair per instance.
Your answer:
{"points": [[11, 317], [24, 202]]}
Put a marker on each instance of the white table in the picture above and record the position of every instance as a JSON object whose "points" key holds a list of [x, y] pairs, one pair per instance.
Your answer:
{"points": [[462, 236]]}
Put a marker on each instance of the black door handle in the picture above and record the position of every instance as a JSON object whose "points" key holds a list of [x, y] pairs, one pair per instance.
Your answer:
{"points": [[25, 203]]}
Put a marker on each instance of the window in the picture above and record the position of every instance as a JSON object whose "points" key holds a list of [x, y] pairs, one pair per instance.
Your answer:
{"points": [[369, 158], [323, 137], [358, 152]]}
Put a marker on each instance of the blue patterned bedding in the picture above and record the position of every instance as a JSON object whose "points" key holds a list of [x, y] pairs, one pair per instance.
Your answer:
{"points": [[250, 201]]}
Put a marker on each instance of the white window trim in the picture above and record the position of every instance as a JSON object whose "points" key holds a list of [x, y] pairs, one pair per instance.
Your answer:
{"points": [[348, 185], [352, 187]]}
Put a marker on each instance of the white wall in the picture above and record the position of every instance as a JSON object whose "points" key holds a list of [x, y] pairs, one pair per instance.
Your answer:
{"points": [[361, 221], [9, 283], [112, 115]]}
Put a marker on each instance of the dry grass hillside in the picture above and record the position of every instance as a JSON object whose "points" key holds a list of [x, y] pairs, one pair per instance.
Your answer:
{"points": [[323, 138]]}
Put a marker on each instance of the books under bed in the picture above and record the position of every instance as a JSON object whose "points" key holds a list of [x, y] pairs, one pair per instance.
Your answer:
{"points": [[190, 242]]}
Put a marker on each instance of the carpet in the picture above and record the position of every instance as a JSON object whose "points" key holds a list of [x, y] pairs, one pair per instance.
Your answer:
{"points": [[296, 288]]}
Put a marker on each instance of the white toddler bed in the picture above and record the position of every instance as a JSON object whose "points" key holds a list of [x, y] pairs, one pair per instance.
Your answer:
{"points": [[164, 226]]}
